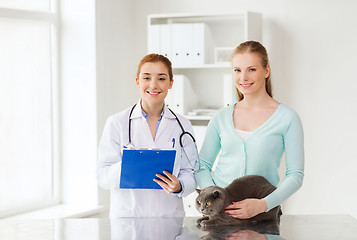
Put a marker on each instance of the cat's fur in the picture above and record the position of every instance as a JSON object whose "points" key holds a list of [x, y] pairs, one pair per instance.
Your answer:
{"points": [[211, 201]]}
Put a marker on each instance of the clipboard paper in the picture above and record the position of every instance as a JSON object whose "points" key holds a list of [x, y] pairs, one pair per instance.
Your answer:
{"points": [[139, 167]]}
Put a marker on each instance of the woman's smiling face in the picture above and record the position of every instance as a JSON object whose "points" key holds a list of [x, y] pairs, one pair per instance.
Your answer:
{"points": [[249, 74], [154, 83]]}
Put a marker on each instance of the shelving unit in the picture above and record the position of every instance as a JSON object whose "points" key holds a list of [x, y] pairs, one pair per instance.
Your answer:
{"points": [[226, 31], [209, 79]]}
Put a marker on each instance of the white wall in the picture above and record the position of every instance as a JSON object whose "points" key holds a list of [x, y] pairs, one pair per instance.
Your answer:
{"points": [[313, 54], [116, 63]]}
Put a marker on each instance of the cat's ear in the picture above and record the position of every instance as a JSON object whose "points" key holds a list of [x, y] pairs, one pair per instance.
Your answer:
{"points": [[198, 190], [216, 194]]}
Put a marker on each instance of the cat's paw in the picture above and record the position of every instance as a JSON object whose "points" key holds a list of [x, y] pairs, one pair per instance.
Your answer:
{"points": [[201, 219], [205, 224]]}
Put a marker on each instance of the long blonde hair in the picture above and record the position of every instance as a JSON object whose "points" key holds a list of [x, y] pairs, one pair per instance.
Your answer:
{"points": [[254, 47]]}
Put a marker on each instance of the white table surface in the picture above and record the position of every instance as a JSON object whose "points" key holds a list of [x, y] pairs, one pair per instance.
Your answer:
{"points": [[324, 227]]}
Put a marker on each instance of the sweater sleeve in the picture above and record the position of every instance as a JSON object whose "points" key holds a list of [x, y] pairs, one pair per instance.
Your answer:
{"points": [[294, 158], [209, 151]]}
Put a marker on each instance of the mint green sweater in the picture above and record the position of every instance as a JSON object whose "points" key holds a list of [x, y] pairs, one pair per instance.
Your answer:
{"points": [[260, 154]]}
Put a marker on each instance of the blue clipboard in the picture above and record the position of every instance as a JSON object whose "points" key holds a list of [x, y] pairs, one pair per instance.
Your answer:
{"points": [[139, 167]]}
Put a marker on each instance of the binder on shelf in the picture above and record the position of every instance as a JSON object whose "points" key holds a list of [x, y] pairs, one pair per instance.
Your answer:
{"points": [[140, 166], [182, 43], [165, 40], [191, 44], [181, 98], [202, 44], [228, 90]]}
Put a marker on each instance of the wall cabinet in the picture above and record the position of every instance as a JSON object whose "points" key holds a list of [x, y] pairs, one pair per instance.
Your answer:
{"points": [[199, 46]]}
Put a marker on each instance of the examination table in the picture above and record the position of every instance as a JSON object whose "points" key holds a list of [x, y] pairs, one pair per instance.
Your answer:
{"points": [[292, 227]]}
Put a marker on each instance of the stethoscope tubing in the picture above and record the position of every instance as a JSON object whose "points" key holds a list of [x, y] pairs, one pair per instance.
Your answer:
{"points": [[183, 130], [181, 136], [131, 112], [178, 121]]}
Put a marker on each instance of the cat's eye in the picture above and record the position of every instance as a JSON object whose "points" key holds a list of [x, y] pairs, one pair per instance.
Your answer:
{"points": [[208, 203], [199, 202]]}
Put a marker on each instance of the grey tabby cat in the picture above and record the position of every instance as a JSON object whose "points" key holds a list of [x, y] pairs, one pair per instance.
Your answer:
{"points": [[211, 201]]}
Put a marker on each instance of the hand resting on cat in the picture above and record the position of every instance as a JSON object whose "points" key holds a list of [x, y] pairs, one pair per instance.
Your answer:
{"points": [[213, 200]]}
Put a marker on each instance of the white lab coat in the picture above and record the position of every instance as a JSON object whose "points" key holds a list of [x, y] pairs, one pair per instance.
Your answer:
{"points": [[144, 202]]}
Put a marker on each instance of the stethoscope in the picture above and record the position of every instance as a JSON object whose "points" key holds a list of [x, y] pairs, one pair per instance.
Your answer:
{"points": [[130, 145]]}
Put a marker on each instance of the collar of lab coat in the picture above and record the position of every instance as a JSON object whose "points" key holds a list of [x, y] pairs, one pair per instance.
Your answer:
{"points": [[137, 112]]}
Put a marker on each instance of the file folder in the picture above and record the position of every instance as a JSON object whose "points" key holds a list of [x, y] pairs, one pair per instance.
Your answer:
{"points": [[182, 44], [181, 98], [165, 40], [140, 166], [228, 90]]}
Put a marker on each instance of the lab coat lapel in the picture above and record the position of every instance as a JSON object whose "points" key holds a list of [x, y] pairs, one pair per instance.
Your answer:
{"points": [[137, 111], [166, 125], [140, 129]]}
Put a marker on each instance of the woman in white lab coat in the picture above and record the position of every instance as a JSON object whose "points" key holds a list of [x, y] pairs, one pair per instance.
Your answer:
{"points": [[153, 125]]}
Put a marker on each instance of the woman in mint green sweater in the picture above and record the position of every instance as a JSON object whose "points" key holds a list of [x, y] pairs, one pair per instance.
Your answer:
{"points": [[252, 136]]}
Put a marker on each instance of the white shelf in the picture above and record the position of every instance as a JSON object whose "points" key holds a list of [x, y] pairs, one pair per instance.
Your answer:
{"points": [[204, 66], [204, 118]]}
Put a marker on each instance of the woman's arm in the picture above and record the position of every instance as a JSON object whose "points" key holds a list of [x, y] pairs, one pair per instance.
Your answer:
{"points": [[294, 158], [209, 151]]}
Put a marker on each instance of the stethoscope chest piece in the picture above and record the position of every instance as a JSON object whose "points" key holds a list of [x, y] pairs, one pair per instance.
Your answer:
{"points": [[129, 145]]}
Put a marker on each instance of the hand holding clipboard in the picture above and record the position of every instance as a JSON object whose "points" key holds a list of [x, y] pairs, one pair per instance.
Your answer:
{"points": [[170, 184]]}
